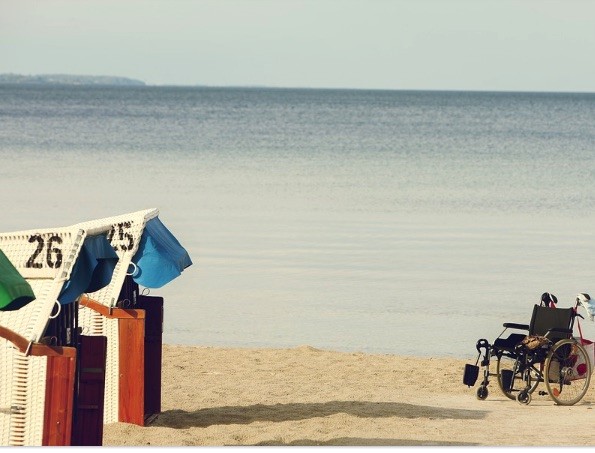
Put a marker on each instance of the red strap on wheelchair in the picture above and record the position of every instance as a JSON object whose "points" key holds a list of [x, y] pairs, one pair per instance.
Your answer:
{"points": [[578, 324]]}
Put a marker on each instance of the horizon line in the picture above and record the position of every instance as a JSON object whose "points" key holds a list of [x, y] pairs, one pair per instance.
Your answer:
{"points": [[282, 87], [467, 90]]}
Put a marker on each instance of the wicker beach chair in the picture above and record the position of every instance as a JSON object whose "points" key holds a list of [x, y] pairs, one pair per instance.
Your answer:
{"points": [[124, 232], [45, 258], [102, 313]]}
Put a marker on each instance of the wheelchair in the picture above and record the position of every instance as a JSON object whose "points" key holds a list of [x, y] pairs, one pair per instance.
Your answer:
{"points": [[548, 353]]}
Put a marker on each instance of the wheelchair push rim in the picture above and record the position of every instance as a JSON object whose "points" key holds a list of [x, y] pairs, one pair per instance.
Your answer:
{"points": [[567, 372]]}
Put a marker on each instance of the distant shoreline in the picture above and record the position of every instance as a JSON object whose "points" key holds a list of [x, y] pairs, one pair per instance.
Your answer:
{"points": [[67, 79]]}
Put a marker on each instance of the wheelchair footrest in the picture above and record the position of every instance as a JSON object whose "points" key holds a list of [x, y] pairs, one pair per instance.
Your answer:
{"points": [[506, 376], [470, 375]]}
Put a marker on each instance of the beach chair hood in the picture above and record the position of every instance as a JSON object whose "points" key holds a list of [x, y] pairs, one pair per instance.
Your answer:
{"points": [[160, 258], [15, 291]]}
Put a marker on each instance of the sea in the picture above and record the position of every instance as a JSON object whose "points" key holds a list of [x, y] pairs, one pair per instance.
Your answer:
{"points": [[407, 223]]}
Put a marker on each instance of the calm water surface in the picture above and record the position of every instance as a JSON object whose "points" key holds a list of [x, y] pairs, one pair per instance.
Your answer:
{"points": [[376, 221]]}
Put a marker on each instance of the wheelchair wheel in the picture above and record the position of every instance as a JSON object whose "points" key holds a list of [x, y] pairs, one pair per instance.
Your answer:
{"points": [[524, 397], [482, 392], [505, 363], [567, 372]]}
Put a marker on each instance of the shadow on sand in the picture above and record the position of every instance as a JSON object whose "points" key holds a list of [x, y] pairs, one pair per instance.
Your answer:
{"points": [[365, 442], [302, 411]]}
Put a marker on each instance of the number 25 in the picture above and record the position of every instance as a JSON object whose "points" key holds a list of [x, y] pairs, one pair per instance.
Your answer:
{"points": [[124, 240]]}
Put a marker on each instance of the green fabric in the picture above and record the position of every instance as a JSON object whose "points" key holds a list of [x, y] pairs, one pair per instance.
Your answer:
{"points": [[15, 292]]}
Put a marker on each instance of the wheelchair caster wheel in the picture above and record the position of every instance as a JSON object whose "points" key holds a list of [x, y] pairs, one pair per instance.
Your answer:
{"points": [[482, 392], [523, 397]]}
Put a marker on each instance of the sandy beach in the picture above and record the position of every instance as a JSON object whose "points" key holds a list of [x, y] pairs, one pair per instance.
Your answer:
{"points": [[306, 396]]}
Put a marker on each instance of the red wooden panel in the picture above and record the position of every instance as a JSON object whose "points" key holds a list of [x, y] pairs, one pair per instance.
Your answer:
{"points": [[59, 395], [88, 414], [132, 369], [153, 307]]}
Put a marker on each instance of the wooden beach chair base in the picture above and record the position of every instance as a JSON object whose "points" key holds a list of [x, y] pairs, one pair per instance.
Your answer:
{"points": [[88, 413], [59, 395], [134, 357]]}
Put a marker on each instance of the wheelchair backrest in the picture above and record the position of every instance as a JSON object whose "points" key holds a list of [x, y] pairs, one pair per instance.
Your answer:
{"points": [[546, 318]]}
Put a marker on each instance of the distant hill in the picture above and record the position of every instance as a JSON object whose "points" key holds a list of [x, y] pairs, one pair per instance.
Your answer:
{"points": [[66, 79]]}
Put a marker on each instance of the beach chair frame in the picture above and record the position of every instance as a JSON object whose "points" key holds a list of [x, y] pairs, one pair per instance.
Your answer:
{"points": [[102, 313], [45, 258]]}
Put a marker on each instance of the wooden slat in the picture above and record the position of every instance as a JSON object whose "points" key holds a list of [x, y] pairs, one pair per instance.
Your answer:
{"points": [[59, 396], [112, 313], [19, 341], [38, 349], [88, 413], [131, 333], [35, 349], [153, 307]]}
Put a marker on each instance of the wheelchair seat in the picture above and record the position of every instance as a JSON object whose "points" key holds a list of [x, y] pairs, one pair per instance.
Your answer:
{"points": [[510, 343]]}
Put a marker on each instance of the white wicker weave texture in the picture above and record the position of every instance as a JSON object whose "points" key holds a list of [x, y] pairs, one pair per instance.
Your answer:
{"points": [[5, 391]]}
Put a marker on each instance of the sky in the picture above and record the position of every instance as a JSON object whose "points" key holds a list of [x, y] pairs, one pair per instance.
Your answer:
{"points": [[500, 45]]}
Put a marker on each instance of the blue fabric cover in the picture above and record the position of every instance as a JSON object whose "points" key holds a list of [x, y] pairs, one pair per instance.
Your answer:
{"points": [[160, 258], [92, 271]]}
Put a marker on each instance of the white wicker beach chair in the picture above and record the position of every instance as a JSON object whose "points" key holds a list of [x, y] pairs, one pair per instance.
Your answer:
{"points": [[124, 232], [45, 258]]}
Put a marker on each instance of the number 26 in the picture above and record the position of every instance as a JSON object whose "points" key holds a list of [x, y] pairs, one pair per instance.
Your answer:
{"points": [[53, 256]]}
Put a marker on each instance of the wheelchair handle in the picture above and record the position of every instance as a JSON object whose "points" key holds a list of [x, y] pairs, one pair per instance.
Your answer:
{"points": [[483, 343]]}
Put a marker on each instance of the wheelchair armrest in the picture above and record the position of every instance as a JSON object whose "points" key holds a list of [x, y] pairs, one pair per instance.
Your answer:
{"points": [[512, 325]]}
